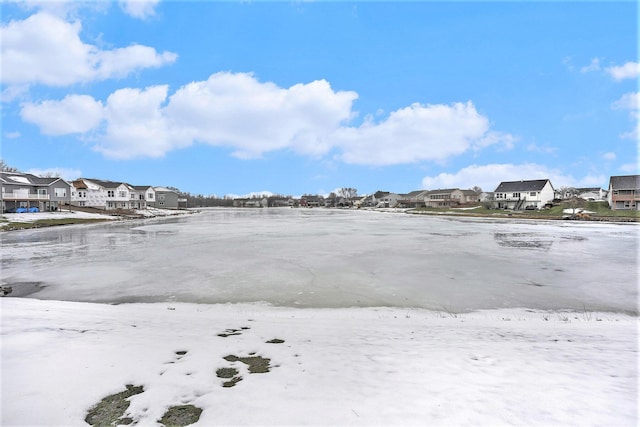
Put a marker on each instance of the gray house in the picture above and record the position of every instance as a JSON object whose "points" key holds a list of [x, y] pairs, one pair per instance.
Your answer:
{"points": [[624, 192], [165, 198], [24, 190]]}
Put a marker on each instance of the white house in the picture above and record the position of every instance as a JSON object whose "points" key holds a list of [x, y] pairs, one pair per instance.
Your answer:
{"points": [[142, 196], [518, 195], [102, 194]]}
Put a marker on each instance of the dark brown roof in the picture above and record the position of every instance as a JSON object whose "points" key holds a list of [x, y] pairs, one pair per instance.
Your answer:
{"points": [[625, 182]]}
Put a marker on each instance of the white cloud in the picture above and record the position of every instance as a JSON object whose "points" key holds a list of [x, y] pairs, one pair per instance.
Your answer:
{"points": [[136, 125], [417, 133], [12, 135], [488, 177], [74, 114], [141, 9], [609, 156], [542, 148], [630, 101], [64, 173], [238, 111], [252, 118], [632, 168], [48, 50], [593, 66], [630, 70]]}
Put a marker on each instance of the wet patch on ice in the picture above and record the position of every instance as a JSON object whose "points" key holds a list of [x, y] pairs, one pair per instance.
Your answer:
{"points": [[21, 289], [111, 409], [275, 341], [533, 283], [522, 241]]}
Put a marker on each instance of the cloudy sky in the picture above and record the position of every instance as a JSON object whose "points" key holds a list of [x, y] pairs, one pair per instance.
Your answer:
{"points": [[305, 97]]}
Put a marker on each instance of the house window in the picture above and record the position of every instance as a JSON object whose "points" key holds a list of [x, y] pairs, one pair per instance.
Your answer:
{"points": [[161, 203], [514, 195], [60, 192], [111, 193], [82, 194], [150, 196], [161, 197], [42, 192], [122, 194], [532, 194], [109, 204], [81, 203]]}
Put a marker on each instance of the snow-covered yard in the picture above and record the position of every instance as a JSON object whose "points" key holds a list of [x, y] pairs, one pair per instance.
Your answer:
{"points": [[360, 366], [35, 216]]}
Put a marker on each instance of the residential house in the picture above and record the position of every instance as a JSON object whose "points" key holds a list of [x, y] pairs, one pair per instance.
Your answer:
{"points": [[594, 194], [141, 195], [470, 196], [118, 194], [517, 195], [444, 198], [166, 198], [23, 190], [311, 201], [86, 193], [414, 199], [381, 199], [624, 192]]}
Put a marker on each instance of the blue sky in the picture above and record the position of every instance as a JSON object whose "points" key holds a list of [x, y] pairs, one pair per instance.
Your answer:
{"points": [[306, 97]]}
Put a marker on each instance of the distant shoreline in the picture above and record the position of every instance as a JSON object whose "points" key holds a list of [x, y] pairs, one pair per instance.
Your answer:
{"points": [[16, 222]]}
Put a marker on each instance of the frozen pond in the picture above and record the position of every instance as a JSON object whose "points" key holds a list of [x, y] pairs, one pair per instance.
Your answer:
{"points": [[331, 258]]}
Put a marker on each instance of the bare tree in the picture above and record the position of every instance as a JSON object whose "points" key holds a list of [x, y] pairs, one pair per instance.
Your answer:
{"points": [[4, 167], [348, 193], [477, 190], [574, 203]]}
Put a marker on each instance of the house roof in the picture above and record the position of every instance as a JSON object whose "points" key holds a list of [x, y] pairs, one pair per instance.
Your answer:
{"points": [[141, 187], [414, 193], [625, 182], [165, 190], [107, 184], [510, 186], [443, 190], [19, 178]]}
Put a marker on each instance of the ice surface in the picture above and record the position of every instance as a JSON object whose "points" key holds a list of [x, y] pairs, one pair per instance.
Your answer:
{"points": [[332, 258]]}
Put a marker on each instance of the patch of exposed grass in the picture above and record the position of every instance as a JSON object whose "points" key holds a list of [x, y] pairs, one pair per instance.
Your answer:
{"points": [[182, 415], [257, 364], [110, 410], [226, 372], [9, 226]]}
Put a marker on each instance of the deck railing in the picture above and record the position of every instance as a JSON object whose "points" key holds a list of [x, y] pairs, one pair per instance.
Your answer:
{"points": [[24, 196]]}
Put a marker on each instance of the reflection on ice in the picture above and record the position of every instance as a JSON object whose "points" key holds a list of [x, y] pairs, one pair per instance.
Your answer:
{"points": [[331, 258]]}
